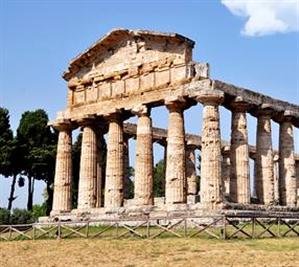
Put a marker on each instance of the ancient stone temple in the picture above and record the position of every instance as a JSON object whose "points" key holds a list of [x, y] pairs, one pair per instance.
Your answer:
{"points": [[128, 73]]}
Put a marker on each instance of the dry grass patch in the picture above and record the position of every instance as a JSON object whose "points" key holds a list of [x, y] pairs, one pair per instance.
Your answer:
{"points": [[159, 252]]}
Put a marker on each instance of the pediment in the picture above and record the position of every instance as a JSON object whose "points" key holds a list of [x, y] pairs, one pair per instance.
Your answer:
{"points": [[122, 51]]}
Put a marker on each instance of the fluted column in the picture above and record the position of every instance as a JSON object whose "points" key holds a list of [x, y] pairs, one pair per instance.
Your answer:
{"points": [[211, 184], [115, 164], [297, 175], [239, 154], [191, 170], [225, 169], [62, 201], [100, 168], [88, 168], [287, 167], [175, 190], [126, 167], [276, 178], [264, 158], [143, 194]]}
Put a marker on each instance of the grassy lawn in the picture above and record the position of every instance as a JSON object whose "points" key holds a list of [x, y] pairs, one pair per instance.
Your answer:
{"points": [[159, 252]]}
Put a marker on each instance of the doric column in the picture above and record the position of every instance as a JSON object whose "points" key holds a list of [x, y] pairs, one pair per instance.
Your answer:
{"points": [[264, 158], [126, 167], [211, 185], [287, 167], [191, 170], [100, 168], [62, 200], [239, 154], [297, 175], [88, 168], [143, 194], [175, 190], [276, 178], [115, 163], [225, 169]]}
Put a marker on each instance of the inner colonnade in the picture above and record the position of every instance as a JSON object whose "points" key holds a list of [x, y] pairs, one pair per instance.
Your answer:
{"points": [[128, 73]]}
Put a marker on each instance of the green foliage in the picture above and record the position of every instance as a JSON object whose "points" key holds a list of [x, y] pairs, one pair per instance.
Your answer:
{"points": [[21, 216], [4, 216], [6, 141], [39, 211], [37, 150], [159, 179]]}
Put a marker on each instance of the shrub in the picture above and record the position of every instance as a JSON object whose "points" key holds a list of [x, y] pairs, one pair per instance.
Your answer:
{"points": [[39, 211], [21, 216], [4, 216]]}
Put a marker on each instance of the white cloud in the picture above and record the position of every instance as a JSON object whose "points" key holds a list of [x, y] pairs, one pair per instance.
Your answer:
{"points": [[266, 16]]}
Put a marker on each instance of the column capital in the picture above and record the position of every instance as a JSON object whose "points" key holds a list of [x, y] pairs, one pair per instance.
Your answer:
{"points": [[63, 125], [210, 97], [265, 110], [239, 105], [141, 110], [175, 103], [285, 116], [114, 116]]}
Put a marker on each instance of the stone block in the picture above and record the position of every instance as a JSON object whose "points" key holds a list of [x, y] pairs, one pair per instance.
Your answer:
{"points": [[132, 85], [118, 88], [91, 94], [104, 90], [147, 81], [178, 73], [79, 97], [162, 77]]}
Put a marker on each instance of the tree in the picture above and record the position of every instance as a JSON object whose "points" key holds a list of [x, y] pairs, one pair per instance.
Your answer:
{"points": [[159, 179], [6, 137], [37, 150], [9, 156]]}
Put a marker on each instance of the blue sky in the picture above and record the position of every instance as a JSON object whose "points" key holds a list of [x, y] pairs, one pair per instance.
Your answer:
{"points": [[248, 48]]}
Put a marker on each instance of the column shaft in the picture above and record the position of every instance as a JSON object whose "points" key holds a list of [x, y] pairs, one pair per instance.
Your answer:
{"points": [[143, 194], [126, 168], [276, 178], [100, 168], [225, 169], [191, 171], [239, 158], [63, 173], [88, 169], [211, 183], [175, 191], [264, 161], [287, 167], [115, 165]]}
